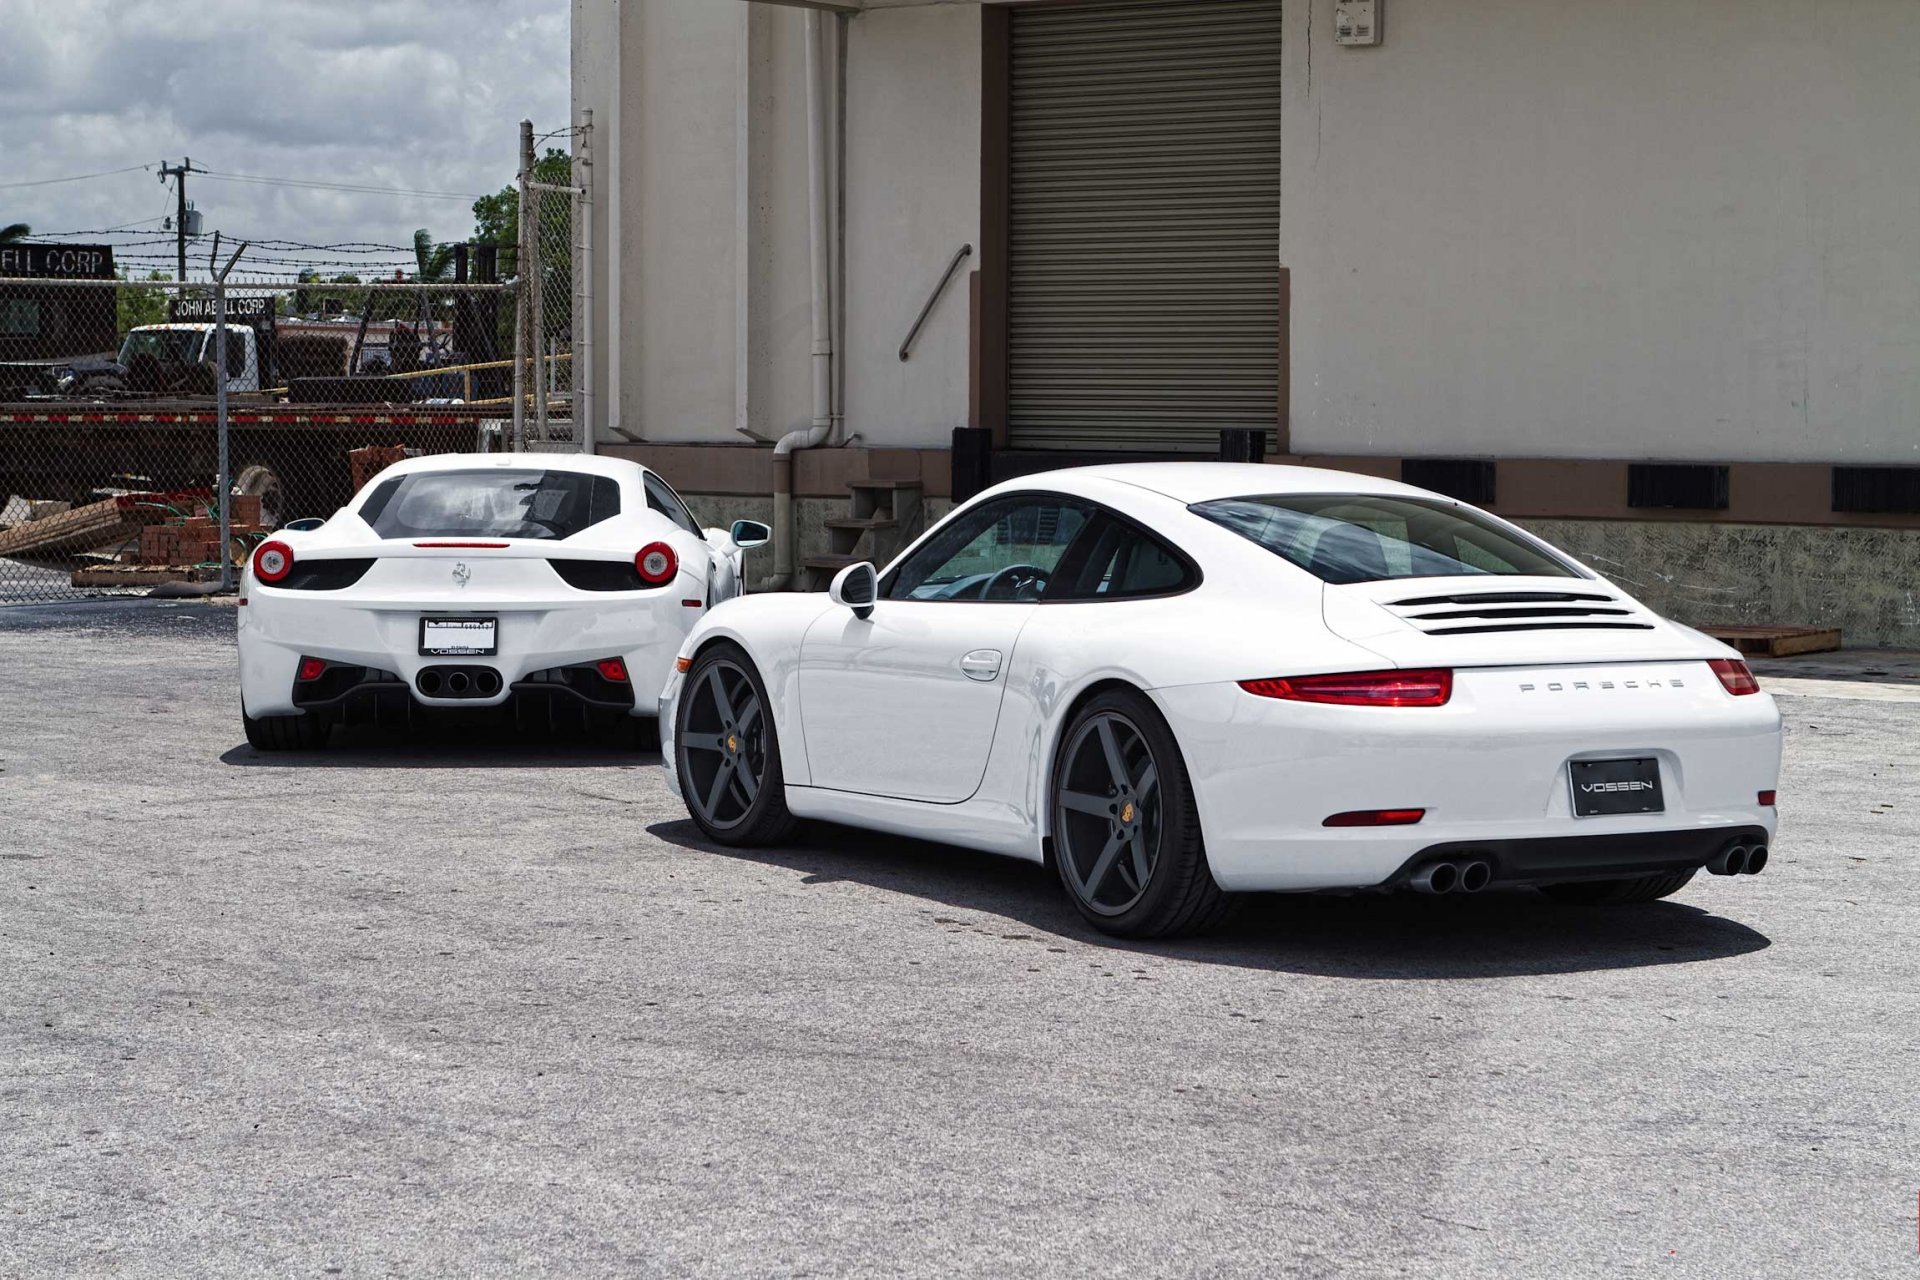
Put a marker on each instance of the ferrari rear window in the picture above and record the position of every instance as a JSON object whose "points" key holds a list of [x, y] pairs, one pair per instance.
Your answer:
{"points": [[490, 504], [1341, 538]]}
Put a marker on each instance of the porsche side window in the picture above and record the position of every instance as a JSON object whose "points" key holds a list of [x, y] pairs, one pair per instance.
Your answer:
{"points": [[1341, 538], [1006, 550], [1125, 561], [662, 498]]}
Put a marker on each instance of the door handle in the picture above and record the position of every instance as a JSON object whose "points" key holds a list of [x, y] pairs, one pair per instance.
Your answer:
{"points": [[981, 664]]}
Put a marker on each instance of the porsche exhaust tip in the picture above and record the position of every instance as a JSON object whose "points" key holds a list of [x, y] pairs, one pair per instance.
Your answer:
{"points": [[1733, 860], [1756, 860], [1475, 876], [1436, 877]]}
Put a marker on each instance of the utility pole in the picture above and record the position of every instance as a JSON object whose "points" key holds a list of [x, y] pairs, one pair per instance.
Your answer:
{"points": [[180, 171]]}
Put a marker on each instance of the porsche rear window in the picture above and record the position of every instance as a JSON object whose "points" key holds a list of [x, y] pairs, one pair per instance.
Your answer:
{"points": [[490, 504], [1341, 538]]}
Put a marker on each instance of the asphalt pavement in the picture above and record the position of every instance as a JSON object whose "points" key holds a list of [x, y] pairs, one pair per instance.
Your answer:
{"points": [[470, 1006]]}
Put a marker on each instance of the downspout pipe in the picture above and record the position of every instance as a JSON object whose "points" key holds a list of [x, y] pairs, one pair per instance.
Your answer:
{"points": [[820, 238]]}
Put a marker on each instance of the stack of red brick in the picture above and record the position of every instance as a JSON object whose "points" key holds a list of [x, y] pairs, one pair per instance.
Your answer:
{"points": [[195, 539]]}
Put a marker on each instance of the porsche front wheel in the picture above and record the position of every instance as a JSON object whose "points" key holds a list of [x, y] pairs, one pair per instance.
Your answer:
{"points": [[727, 752], [1126, 831]]}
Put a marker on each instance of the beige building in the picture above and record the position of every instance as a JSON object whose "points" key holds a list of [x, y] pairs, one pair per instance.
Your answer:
{"points": [[1644, 274]]}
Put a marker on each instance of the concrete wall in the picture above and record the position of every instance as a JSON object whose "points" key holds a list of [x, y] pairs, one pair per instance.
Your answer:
{"points": [[1644, 228], [913, 198], [701, 210], [1864, 581]]}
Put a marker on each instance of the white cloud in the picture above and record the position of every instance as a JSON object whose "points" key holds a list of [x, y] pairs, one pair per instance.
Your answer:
{"points": [[420, 94]]}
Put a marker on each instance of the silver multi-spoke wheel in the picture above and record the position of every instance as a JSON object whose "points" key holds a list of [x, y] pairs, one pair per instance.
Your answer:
{"points": [[728, 752], [725, 745], [1110, 824]]}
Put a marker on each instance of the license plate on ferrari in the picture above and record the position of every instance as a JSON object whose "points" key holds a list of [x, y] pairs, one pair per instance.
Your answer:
{"points": [[458, 637], [1603, 787]]}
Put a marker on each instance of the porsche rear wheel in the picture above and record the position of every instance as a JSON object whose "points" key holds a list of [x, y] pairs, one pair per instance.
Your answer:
{"points": [[727, 752], [1126, 831], [286, 733], [1610, 893]]}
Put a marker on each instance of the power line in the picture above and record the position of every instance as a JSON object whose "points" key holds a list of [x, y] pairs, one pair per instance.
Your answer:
{"points": [[362, 188], [78, 177], [97, 231]]}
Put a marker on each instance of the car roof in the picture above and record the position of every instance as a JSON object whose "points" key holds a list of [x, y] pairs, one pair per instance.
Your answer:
{"points": [[591, 464], [1190, 482]]}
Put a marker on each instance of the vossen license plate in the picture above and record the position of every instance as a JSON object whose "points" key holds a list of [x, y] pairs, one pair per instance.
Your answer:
{"points": [[458, 637], [1616, 786]]}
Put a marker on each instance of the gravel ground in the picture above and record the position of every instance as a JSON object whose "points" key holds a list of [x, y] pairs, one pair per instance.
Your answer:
{"points": [[473, 1007]]}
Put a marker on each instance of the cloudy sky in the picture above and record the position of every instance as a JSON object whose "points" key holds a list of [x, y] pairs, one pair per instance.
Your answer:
{"points": [[424, 95]]}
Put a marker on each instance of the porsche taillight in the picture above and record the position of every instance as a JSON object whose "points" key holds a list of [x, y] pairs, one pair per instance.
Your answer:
{"points": [[1426, 688], [1735, 678], [656, 564], [272, 562]]}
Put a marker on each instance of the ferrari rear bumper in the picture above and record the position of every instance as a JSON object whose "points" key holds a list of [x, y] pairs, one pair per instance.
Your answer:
{"points": [[279, 629]]}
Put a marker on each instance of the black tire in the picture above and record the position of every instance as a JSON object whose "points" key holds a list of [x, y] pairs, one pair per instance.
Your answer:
{"points": [[286, 733], [1614, 893], [732, 733], [1093, 808]]}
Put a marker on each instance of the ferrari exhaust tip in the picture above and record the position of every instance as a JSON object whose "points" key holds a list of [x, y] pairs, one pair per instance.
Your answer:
{"points": [[1732, 860], [429, 683], [487, 682], [1475, 876], [457, 683], [1756, 860], [1436, 877]]}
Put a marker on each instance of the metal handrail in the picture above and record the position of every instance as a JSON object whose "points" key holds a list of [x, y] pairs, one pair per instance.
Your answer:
{"points": [[966, 251]]}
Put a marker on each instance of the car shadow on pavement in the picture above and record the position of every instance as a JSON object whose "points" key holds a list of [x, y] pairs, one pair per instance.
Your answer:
{"points": [[1492, 935], [448, 747]]}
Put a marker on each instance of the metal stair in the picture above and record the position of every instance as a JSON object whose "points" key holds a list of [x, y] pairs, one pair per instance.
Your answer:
{"points": [[883, 516]]}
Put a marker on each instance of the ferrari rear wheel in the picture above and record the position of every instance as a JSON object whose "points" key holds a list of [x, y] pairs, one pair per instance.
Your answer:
{"points": [[1126, 831], [728, 752], [1610, 893], [286, 733]]}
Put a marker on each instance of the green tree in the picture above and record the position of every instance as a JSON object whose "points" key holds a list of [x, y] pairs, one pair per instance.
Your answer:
{"points": [[135, 307], [16, 231], [497, 217], [435, 260]]}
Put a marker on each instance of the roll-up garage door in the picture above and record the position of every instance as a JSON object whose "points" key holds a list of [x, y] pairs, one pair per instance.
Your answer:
{"points": [[1143, 304]]}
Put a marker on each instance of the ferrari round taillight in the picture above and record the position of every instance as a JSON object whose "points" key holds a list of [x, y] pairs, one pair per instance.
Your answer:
{"points": [[273, 561], [1429, 688], [656, 564], [1734, 676]]}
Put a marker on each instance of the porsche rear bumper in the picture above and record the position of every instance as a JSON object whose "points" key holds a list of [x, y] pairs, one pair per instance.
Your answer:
{"points": [[1490, 769]]}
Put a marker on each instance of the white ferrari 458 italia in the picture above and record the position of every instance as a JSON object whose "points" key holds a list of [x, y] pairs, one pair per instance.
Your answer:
{"points": [[553, 585], [1175, 682]]}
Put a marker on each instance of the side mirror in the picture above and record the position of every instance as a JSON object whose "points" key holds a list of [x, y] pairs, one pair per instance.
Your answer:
{"points": [[857, 586], [748, 534]]}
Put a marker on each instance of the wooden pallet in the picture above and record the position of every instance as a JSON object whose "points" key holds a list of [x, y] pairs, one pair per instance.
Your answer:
{"points": [[144, 575], [1777, 642], [80, 529]]}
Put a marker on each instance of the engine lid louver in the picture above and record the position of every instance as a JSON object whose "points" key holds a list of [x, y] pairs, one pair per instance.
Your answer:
{"points": [[1485, 612]]}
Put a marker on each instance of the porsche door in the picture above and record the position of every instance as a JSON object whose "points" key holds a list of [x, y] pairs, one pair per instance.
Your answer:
{"points": [[904, 703]]}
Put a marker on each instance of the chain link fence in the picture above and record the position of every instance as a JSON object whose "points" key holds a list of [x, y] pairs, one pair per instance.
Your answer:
{"points": [[153, 431], [553, 319]]}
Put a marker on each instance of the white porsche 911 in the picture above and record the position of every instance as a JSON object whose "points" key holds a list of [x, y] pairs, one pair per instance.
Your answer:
{"points": [[554, 585], [1177, 681]]}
